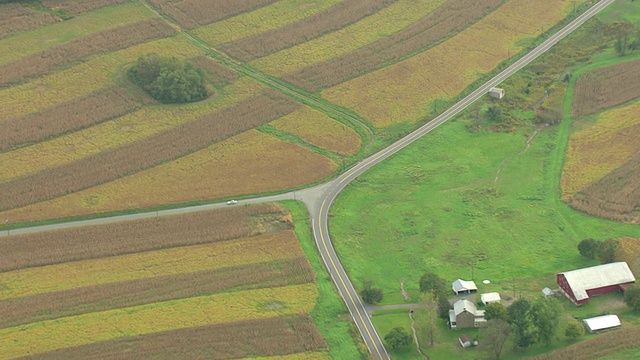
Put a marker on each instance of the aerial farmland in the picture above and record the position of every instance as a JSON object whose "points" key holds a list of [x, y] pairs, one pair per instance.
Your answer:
{"points": [[164, 165]]}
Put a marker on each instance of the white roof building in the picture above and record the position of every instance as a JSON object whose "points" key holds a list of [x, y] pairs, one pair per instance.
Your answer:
{"points": [[488, 298], [463, 286], [601, 322], [465, 314], [580, 284]]}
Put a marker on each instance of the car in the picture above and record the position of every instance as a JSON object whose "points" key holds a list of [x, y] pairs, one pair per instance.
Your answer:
{"points": [[232, 202]]}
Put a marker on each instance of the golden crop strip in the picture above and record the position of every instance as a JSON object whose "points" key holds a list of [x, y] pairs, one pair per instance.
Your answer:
{"points": [[115, 133], [146, 319], [383, 23], [298, 356], [173, 261], [403, 91], [85, 78], [233, 167], [318, 129], [262, 19], [31, 42], [596, 151]]}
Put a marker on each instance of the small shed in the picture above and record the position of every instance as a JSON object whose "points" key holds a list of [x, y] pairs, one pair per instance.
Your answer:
{"points": [[601, 322], [497, 93], [463, 287], [488, 298], [464, 341]]}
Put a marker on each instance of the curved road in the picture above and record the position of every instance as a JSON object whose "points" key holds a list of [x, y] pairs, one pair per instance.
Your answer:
{"points": [[318, 199]]}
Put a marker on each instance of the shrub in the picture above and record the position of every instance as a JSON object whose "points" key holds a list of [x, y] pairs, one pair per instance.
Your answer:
{"points": [[398, 338]]}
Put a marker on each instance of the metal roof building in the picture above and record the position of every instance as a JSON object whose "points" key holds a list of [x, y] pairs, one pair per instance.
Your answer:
{"points": [[580, 284], [463, 286], [601, 322], [488, 298]]}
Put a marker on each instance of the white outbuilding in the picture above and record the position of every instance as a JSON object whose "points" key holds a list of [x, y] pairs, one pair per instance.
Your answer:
{"points": [[601, 322], [464, 287], [488, 298]]}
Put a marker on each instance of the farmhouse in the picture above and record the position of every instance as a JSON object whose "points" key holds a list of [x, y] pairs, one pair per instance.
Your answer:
{"points": [[464, 287], [488, 298], [497, 93], [579, 285], [466, 315], [601, 322]]}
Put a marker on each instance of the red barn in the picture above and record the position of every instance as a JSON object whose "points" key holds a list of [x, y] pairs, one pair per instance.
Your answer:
{"points": [[580, 284]]}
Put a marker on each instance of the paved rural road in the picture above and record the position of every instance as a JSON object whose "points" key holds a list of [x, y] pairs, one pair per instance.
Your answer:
{"points": [[319, 198]]}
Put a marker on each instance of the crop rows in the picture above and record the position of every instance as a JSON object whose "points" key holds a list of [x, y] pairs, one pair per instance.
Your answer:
{"points": [[447, 20], [214, 309], [318, 129], [334, 18], [194, 13], [264, 337], [606, 87], [389, 20], [81, 49], [248, 163], [53, 305], [173, 261], [142, 123], [100, 106], [404, 91], [270, 17], [15, 18], [30, 42], [221, 75], [616, 196], [76, 7], [145, 153], [597, 347], [595, 151], [83, 79], [83, 243]]}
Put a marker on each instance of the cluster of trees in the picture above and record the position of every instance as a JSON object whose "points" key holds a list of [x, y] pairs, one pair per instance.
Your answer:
{"points": [[370, 294], [525, 322], [627, 37], [169, 79], [603, 251]]}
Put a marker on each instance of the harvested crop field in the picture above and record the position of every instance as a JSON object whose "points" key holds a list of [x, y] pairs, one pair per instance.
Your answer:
{"points": [[629, 251], [194, 13], [15, 18], [388, 20], [606, 87], [334, 18], [76, 7], [169, 145], [73, 52], [597, 347], [83, 243], [274, 16], [248, 163], [318, 129], [248, 289], [403, 92], [77, 114], [447, 20], [30, 42], [597, 150], [616, 196], [269, 337]]}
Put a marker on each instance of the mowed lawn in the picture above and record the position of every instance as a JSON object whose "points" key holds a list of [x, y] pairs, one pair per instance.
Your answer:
{"points": [[441, 203]]}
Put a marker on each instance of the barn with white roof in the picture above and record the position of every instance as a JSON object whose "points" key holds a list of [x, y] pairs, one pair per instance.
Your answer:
{"points": [[579, 285]]}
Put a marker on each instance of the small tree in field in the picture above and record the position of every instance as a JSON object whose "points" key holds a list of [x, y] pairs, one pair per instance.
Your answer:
{"points": [[430, 282], [494, 336], [398, 338], [371, 295], [607, 251], [574, 330], [588, 248], [632, 297]]}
